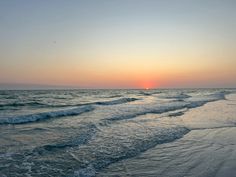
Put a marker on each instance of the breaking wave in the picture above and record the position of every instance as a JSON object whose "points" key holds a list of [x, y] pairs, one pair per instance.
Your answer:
{"points": [[137, 146], [45, 115], [42, 104], [85, 134]]}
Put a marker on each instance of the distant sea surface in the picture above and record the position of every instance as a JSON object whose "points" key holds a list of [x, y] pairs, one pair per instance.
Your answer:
{"points": [[82, 132]]}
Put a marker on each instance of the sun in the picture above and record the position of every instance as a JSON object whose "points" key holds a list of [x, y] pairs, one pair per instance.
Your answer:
{"points": [[147, 85]]}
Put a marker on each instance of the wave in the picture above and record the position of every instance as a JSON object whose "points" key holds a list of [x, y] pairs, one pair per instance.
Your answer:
{"points": [[121, 112], [145, 93], [201, 100], [129, 112], [17, 104], [132, 112], [138, 145], [176, 114], [118, 101], [113, 96], [45, 115], [60, 113], [37, 103], [86, 132], [174, 96]]}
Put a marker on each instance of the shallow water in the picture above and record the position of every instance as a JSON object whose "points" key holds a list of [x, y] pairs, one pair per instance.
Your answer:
{"points": [[81, 132], [208, 150]]}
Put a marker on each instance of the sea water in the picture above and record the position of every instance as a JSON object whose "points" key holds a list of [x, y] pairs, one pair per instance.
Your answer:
{"points": [[81, 132]]}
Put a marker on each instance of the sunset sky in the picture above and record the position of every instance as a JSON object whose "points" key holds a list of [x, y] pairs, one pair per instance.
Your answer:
{"points": [[118, 43]]}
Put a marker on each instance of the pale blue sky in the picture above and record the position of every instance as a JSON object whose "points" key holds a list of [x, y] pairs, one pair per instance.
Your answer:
{"points": [[80, 43]]}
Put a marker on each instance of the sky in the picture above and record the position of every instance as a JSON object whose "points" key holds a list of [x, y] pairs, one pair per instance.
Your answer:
{"points": [[118, 43]]}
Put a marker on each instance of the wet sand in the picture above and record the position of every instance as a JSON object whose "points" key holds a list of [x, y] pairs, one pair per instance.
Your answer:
{"points": [[209, 149]]}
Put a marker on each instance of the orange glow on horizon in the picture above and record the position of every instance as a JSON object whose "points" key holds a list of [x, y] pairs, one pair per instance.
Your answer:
{"points": [[147, 85]]}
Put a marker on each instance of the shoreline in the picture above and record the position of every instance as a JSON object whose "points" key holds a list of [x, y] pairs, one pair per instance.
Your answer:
{"points": [[209, 149]]}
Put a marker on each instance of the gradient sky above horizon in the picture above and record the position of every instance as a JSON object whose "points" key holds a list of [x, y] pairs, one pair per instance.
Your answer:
{"points": [[118, 43]]}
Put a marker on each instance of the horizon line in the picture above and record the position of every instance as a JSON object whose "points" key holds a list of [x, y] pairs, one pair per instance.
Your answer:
{"points": [[33, 86], [160, 88]]}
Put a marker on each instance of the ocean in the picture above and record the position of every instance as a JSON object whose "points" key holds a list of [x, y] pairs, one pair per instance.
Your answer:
{"points": [[115, 132]]}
